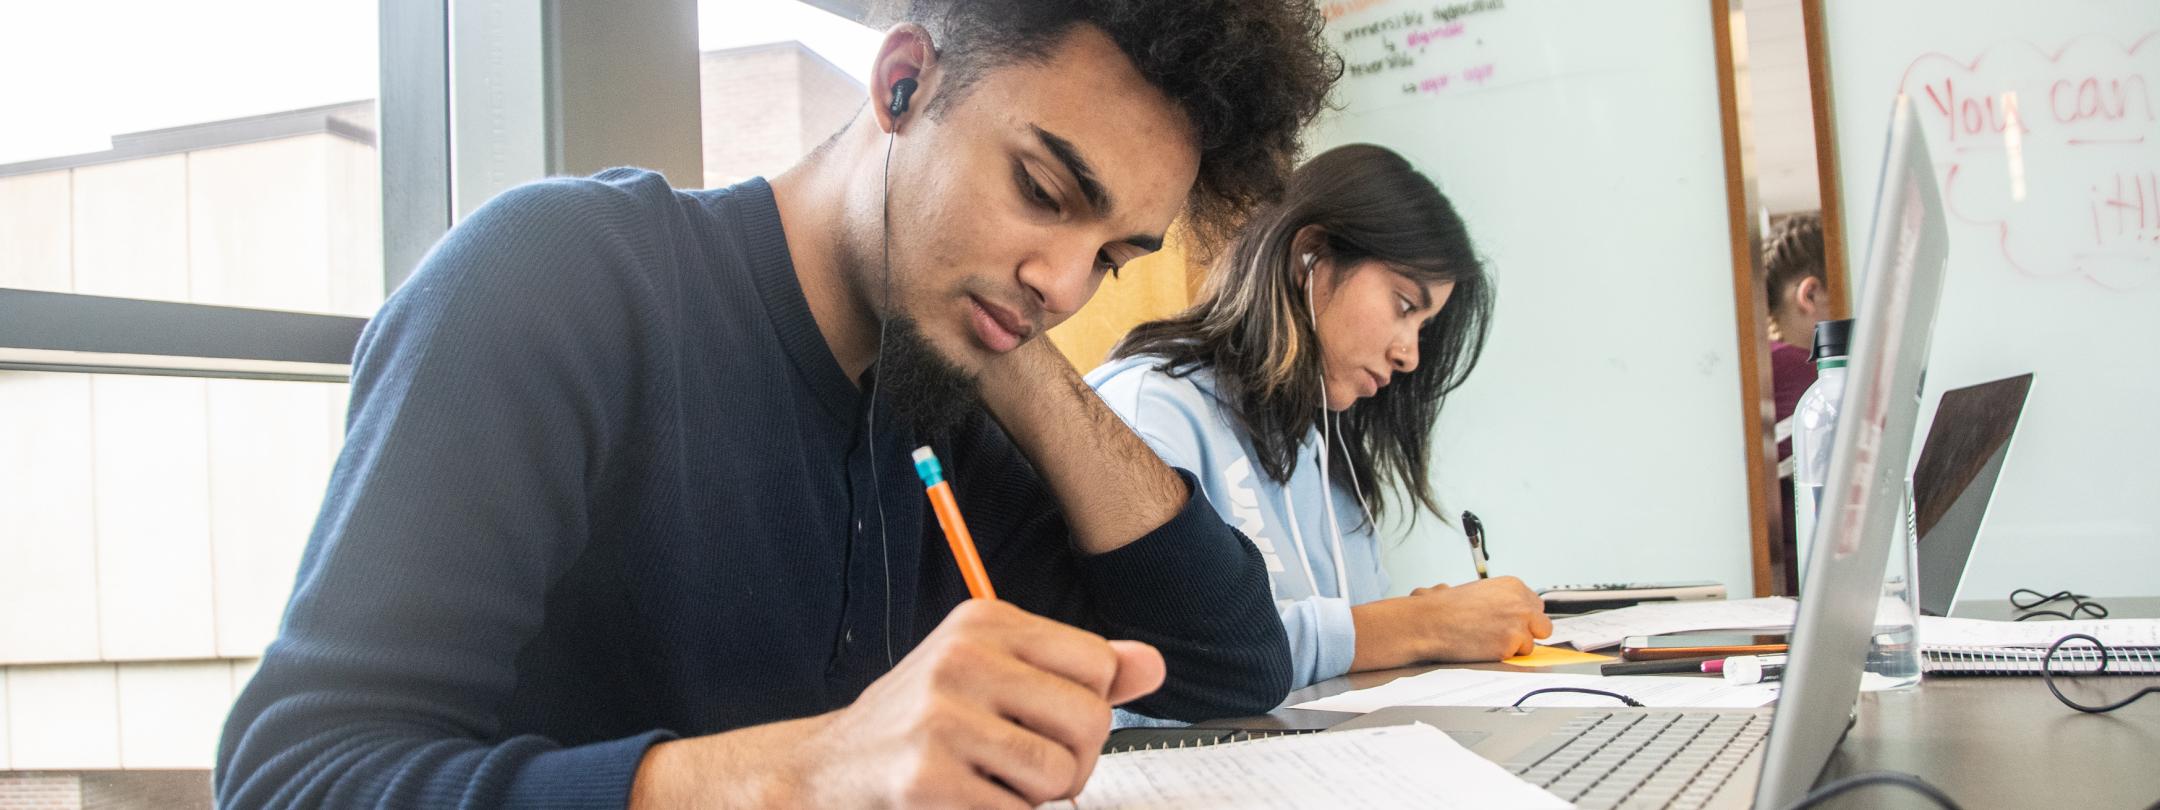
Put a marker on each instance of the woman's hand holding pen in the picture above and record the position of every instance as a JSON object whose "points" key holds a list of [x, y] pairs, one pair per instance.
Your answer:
{"points": [[1485, 620]]}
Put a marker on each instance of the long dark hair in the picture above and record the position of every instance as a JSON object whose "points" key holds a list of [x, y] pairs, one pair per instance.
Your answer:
{"points": [[1253, 327]]}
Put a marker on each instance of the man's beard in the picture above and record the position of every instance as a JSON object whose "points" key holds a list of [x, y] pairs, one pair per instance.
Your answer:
{"points": [[924, 390]]}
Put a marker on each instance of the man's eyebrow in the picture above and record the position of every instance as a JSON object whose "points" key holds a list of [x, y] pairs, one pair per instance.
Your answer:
{"points": [[1097, 196]]}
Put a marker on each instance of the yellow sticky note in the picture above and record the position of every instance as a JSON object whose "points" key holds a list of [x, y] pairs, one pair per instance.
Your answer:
{"points": [[1545, 656]]}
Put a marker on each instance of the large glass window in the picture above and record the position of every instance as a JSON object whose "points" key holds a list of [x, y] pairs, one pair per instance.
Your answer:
{"points": [[167, 171], [192, 230], [214, 153]]}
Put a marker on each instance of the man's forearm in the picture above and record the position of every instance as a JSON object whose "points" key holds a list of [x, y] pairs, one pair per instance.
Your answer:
{"points": [[1113, 487], [741, 768]]}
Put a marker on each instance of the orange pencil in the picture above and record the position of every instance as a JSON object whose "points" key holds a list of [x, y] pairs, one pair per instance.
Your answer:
{"points": [[956, 532]]}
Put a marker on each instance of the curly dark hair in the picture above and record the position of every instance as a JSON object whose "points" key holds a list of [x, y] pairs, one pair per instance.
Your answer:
{"points": [[1249, 74], [1794, 251]]}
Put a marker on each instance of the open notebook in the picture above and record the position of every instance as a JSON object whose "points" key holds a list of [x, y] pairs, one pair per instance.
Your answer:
{"points": [[1409, 766], [1976, 647], [2026, 661]]}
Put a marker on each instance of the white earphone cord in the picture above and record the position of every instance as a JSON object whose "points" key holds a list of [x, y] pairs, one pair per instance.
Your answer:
{"points": [[1297, 538], [1355, 489], [1327, 482], [1327, 495]]}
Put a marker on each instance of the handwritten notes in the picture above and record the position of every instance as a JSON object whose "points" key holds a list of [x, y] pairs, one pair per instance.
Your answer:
{"points": [[2056, 147], [1398, 49], [1413, 766]]}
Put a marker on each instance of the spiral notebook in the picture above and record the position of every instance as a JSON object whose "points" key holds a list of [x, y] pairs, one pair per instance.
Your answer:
{"points": [[1975, 647], [1157, 739], [2026, 661]]}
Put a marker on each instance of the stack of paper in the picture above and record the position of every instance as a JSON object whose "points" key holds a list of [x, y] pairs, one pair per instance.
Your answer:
{"points": [[1414, 766], [1478, 687], [1596, 631]]}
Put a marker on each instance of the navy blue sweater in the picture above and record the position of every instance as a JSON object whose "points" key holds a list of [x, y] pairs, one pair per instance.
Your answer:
{"points": [[604, 484]]}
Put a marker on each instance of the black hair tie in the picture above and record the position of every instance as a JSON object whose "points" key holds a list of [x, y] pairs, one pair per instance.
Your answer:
{"points": [[2081, 606]]}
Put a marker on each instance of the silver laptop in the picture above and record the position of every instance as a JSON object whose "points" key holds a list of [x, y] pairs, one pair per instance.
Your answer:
{"points": [[1651, 758], [1954, 479]]}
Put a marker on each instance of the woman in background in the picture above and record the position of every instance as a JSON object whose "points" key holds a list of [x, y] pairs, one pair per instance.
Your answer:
{"points": [[1302, 389], [1795, 283]]}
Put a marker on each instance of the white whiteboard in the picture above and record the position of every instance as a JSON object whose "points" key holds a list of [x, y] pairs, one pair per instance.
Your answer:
{"points": [[2044, 121], [1600, 438]]}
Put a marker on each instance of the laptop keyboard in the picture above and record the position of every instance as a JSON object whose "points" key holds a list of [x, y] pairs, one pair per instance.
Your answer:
{"points": [[1641, 760]]}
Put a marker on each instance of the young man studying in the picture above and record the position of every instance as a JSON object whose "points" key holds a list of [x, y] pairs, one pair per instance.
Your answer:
{"points": [[626, 514]]}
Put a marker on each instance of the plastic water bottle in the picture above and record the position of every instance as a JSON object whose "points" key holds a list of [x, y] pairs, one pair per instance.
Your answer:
{"points": [[1814, 428], [1893, 660]]}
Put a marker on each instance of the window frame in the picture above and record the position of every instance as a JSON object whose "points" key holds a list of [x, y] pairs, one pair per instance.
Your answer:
{"points": [[74, 332], [519, 91]]}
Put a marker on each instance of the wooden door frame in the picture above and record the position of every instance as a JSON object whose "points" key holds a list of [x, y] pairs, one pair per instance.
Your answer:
{"points": [[1751, 322], [1836, 281]]}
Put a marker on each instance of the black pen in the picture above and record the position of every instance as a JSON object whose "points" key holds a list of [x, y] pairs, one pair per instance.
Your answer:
{"points": [[1475, 530], [1657, 667]]}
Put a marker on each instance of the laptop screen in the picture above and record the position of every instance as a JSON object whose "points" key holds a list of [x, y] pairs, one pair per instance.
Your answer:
{"points": [[1868, 456], [1955, 477]]}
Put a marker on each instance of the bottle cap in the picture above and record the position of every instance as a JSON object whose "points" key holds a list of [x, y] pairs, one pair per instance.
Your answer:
{"points": [[1743, 670], [1831, 339]]}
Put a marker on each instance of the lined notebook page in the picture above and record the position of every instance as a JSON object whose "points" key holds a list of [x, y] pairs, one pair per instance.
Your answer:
{"points": [[1938, 631], [1414, 766]]}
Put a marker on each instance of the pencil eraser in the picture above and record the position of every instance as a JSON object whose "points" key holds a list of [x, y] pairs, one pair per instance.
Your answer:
{"points": [[927, 467]]}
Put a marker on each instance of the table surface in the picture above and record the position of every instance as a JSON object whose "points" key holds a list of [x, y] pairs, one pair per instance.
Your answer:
{"points": [[1986, 741]]}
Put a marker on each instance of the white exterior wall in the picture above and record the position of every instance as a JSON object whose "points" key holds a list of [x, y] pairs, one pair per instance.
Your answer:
{"points": [[150, 527]]}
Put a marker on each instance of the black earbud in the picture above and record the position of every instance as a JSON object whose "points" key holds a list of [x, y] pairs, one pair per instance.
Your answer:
{"points": [[901, 90]]}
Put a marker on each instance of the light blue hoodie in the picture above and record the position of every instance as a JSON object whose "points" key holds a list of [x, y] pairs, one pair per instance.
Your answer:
{"points": [[1184, 421]]}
